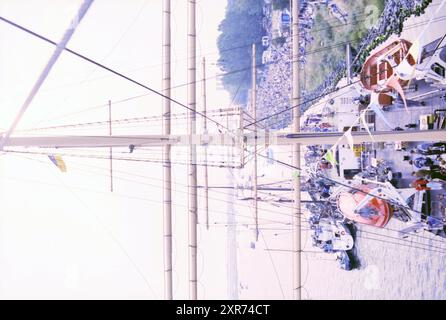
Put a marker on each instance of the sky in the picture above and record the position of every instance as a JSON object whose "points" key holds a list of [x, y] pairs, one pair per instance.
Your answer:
{"points": [[64, 235]]}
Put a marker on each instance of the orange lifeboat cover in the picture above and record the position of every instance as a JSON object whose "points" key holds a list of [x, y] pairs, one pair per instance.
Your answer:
{"points": [[348, 201]]}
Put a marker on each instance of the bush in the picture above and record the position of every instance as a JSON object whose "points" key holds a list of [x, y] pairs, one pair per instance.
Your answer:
{"points": [[281, 4], [279, 41]]}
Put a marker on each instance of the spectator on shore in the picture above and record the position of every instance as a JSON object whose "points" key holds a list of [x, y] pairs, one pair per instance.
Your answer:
{"points": [[420, 184], [442, 165], [438, 174], [434, 173], [420, 162], [325, 164], [430, 148], [423, 173]]}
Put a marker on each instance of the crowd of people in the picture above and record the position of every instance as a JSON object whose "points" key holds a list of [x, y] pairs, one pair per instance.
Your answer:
{"points": [[274, 87], [274, 83], [430, 161]]}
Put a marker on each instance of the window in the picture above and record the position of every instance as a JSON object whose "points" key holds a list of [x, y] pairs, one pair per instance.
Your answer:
{"points": [[438, 69]]}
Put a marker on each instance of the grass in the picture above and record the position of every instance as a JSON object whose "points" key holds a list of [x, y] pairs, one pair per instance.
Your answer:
{"points": [[328, 47]]}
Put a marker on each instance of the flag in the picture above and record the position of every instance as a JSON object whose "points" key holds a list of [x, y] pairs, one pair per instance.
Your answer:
{"points": [[393, 83], [58, 162], [405, 71], [329, 156], [415, 51], [348, 135], [366, 126], [377, 109]]}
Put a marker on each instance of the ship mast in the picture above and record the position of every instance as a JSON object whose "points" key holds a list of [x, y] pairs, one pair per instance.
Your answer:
{"points": [[296, 152], [167, 166]]}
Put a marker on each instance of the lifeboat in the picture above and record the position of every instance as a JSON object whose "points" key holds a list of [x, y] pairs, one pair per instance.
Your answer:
{"points": [[375, 212], [378, 67]]}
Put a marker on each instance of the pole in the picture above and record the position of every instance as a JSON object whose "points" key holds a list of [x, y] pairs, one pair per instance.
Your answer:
{"points": [[167, 166], [254, 112], [297, 246], [260, 188], [159, 140], [192, 168], [46, 71], [205, 129], [349, 62], [242, 148], [111, 148]]}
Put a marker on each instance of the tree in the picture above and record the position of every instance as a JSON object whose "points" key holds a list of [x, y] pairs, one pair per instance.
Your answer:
{"points": [[241, 27], [281, 4]]}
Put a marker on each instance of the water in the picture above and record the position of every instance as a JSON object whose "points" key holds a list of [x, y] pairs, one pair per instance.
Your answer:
{"points": [[391, 268]]}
